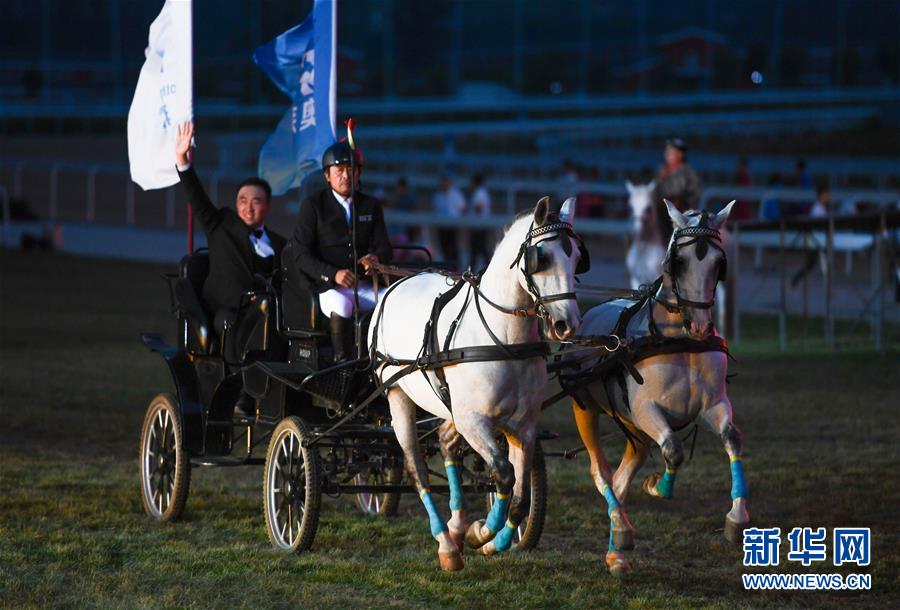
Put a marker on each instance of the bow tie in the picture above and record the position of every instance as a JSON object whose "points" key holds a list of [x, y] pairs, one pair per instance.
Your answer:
{"points": [[258, 233]]}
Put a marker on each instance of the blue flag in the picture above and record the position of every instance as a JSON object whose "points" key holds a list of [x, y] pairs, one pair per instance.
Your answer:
{"points": [[302, 63]]}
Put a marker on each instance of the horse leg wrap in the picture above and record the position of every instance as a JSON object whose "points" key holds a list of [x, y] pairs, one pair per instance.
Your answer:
{"points": [[503, 540], [666, 484], [453, 478], [739, 487], [612, 502], [621, 534], [497, 515], [434, 517]]}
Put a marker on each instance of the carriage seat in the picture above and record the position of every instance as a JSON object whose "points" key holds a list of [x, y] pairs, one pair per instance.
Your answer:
{"points": [[299, 305], [192, 273], [201, 336]]}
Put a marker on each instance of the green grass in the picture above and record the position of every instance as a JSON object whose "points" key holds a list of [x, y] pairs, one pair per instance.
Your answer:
{"points": [[821, 450]]}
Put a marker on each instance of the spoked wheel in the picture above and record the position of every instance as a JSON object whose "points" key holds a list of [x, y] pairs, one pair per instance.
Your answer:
{"points": [[529, 531], [291, 491], [372, 503], [165, 468]]}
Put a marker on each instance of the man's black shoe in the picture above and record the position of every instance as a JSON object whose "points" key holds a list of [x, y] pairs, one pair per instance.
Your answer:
{"points": [[245, 407]]}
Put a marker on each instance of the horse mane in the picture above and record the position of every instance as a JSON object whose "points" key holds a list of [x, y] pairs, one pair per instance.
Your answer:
{"points": [[519, 216]]}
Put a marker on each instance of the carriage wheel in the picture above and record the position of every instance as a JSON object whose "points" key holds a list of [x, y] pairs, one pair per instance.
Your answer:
{"points": [[291, 488], [165, 467], [379, 503], [529, 531]]}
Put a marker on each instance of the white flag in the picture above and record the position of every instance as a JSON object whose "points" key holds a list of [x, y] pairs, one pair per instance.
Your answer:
{"points": [[163, 98]]}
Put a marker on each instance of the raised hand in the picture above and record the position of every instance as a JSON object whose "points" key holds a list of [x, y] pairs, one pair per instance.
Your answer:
{"points": [[183, 138]]}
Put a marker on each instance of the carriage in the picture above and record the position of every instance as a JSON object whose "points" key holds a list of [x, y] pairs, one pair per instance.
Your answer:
{"points": [[331, 427], [326, 425]]}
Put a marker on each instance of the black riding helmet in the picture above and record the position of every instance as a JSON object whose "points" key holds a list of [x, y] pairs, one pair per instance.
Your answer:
{"points": [[339, 154]]}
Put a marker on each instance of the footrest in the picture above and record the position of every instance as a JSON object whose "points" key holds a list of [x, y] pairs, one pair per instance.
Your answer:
{"points": [[291, 374]]}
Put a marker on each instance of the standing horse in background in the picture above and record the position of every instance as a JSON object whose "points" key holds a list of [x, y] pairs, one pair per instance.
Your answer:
{"points": [[645, 255], [683, 371], [491, 373]]}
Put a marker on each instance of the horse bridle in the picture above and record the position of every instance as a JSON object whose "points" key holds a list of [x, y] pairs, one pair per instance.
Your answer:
{"points": [[704, 236], [536, 261]]}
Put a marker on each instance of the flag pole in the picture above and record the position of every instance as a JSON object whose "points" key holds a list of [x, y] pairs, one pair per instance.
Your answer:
{"points": [[190, 208]]}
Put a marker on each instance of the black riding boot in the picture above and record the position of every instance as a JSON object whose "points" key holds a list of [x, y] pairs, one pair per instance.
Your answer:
{"points": [[341, 337]]}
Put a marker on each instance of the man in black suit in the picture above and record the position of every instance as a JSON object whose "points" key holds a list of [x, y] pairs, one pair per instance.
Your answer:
{"points": [[323, 246], [240, 245]]}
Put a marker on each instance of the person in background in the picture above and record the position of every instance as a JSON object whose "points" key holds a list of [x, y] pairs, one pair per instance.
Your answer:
{"points": [[479, 205], [770, 207], [450, 203], [820, 209], [403, 200], [676, 181], [801, 178]]}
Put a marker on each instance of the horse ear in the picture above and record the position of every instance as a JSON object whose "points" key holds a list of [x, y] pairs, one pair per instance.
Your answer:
{"points": [[629, 187], [567, 212], [652, 185], [678, 219], [541, 210], [720, 218]]}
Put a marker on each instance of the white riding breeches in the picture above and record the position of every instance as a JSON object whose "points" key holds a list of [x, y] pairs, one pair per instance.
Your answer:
{"points": [[340, 301]]}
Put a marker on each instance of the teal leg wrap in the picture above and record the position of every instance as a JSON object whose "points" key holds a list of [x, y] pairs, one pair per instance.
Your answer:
{"points": [[503, 540], [611, 501], [612, 548], [666, 485], [434, 517], [739, 487], [453, 478], [497, 516]]}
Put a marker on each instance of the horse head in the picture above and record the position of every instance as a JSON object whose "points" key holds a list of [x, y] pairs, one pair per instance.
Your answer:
{"points": [[694, 265], [639, 199], [550, 256]]}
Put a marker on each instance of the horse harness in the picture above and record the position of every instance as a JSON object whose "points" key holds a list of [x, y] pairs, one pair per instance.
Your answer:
{"points": [[436, 354]]}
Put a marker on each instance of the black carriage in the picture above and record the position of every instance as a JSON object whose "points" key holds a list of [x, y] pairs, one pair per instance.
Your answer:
{"points": [[306, 407]]}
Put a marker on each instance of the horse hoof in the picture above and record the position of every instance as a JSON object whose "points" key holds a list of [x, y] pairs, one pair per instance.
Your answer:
{"points": [[474, 539], [488, 549], [458, 538], [734, 531], [451, 561], [623, 539], [617, 564], [649, 485]]}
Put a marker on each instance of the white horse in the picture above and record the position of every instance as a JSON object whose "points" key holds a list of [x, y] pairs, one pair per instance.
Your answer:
{"points": [[532, 270], [645, 255], [677, 387]]}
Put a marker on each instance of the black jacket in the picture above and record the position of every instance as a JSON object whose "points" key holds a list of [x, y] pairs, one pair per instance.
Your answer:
{"points": [[230, 252], [322, 238]]}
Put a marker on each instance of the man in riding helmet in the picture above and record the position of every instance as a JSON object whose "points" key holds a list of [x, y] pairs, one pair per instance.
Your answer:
{"points": [[323, 244]]}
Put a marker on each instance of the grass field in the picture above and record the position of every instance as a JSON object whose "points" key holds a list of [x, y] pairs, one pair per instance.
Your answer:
{"points": [[821, 437]]}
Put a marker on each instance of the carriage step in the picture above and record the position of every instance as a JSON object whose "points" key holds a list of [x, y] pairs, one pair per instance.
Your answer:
{"points": [[227, 461], [238, 420]]}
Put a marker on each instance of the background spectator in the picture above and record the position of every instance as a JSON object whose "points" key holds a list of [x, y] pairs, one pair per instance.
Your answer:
{"points": [[449, 202], [678, 183], [480, 241]]}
